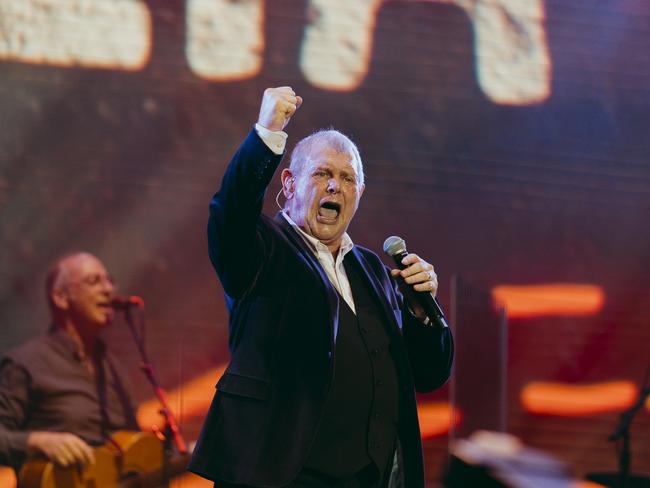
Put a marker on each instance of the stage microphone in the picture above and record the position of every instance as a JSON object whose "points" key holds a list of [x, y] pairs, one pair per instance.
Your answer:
{"points": [[395, 247], [125, 303]]}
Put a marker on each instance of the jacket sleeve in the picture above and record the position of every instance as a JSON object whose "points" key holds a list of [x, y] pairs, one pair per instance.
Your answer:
{"points": [[430, 349], [14, 400], [431, 352], [235, 237]]}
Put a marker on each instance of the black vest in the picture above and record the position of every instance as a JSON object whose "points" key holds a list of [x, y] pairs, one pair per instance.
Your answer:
{"points": [[359, 423]]}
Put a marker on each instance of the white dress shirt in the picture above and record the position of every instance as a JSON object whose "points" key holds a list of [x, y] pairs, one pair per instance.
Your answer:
{"points": [[333, 267]]}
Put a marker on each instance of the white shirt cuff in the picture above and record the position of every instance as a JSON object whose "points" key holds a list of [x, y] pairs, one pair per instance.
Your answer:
{"points": [[274, 140]]}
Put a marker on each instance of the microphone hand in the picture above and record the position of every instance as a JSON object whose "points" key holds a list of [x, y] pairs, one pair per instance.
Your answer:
{"points": [[410, 286], [417, 281], [418, 273]]}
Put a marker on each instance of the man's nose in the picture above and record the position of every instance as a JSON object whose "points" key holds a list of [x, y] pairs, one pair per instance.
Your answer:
{"points": [[108, 286], [333, 185]]}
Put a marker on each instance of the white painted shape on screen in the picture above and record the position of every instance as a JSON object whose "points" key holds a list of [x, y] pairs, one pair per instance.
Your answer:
{"points": [[514, 66], [511, 51], [336, 49], [225, 38], [113, 34]]}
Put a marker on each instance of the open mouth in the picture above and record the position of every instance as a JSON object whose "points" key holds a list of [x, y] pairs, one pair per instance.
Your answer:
{"points": [[329, 210]]}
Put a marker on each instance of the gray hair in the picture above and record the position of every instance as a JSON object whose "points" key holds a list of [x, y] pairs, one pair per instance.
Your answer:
{"points": [[330, 138]]}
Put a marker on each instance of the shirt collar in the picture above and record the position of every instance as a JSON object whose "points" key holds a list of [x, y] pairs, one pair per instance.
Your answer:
{"points": [[317, 246], [70, 346]]}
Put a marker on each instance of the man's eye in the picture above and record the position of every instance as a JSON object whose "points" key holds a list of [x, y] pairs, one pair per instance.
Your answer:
{"points": [[92, 280]]}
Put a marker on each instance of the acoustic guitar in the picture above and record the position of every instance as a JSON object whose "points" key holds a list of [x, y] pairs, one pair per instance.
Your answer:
{"points": [[134, 459]]}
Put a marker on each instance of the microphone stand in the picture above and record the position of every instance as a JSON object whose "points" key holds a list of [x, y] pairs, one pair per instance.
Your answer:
{"points": [[171, 432], [623, 432]]}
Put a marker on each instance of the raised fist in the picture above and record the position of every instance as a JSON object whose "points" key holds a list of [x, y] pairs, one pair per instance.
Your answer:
{"points": [[278, 106]]}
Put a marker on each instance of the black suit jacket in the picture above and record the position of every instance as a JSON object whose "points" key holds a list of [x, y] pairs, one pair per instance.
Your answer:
{"points": [[283, 318]]}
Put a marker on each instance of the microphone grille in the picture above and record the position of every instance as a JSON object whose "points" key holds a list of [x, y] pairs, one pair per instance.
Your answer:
{"points": [[394, 245]]}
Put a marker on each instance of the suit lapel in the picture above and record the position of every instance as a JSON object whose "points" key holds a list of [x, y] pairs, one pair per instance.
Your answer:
{"points": [[308, 255], [379, 292]]}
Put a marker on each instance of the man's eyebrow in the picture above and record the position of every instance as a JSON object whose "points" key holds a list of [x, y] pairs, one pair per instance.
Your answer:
{"points": [[327, 167]]}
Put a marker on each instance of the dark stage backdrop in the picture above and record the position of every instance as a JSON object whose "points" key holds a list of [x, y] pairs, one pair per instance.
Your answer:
{"points": [[506, 140]]}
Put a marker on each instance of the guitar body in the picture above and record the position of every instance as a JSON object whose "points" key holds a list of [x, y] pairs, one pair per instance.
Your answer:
{"points": [[141, 454]]}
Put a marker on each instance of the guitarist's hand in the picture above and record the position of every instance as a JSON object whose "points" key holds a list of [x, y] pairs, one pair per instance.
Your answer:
{"points": [[62, 448]]}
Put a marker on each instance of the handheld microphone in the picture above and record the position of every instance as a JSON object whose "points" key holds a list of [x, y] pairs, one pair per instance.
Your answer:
{"points": [[395, 247], [125, 303]]}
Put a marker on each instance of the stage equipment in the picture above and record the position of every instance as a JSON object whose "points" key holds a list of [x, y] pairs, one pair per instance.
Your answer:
{"points": [[171, 433], [497, 460], [623, 479]]}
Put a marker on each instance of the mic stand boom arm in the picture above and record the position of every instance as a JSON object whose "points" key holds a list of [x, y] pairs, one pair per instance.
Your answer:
{"points": [[171, 426]]}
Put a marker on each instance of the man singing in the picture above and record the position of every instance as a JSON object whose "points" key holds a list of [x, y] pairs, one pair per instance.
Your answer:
{"points": [[326, 353], [62, 392]]}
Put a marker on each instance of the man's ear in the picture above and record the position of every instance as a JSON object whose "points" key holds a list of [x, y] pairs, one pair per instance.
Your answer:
{"points": [[288, 183], [60, 299]]}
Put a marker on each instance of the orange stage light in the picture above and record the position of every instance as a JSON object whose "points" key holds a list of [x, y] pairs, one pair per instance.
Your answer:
{"points": [[436, 418], [190, 480], [577, 400], [550, 299], [7, 477], [189, 400], [586, 484]]}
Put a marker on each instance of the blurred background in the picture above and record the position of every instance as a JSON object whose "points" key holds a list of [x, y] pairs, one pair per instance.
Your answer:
{"points": [[507, 141]]}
